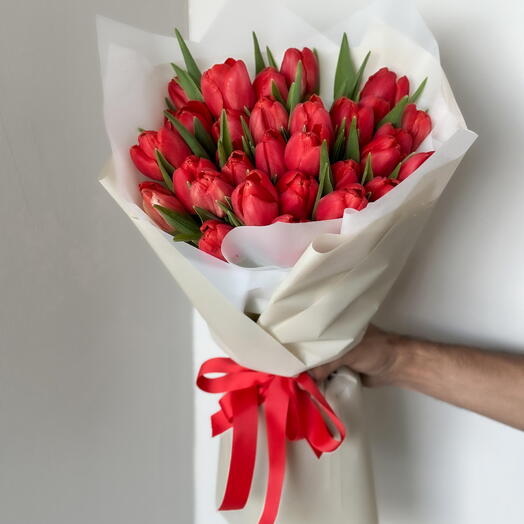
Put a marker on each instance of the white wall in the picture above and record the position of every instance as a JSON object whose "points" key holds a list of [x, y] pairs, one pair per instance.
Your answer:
{"points": [[94, 426]]}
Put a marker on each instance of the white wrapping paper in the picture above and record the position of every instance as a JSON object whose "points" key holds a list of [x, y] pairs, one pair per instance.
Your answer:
{"points": [[318, 284]]}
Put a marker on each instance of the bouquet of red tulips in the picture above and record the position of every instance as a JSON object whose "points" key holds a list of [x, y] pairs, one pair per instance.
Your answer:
{"points": [[305, 186], [232, 152]]}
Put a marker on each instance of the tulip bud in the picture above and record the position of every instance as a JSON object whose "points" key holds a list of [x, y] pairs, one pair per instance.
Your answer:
{"points": [[312, 116], [234, 125], [172, 145], [264, 80], [269, 154], [267, 114], [213, 233], [185, 175], [345, 173], [346, 108], [227, 86], [384, 84], [237, 167], [379, 106], [385, 155], [143, 155], [310, 72], [194, 109], [289, 219], [255, 201], [403, 137], [411, 164], [417, 123], [207, 189], [333, 204], [297, 194], [154, 194], [303, 153], [176, 93], [379, 186]]}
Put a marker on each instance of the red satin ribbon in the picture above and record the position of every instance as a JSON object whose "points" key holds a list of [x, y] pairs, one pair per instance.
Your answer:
{"points": [[294, 408]]}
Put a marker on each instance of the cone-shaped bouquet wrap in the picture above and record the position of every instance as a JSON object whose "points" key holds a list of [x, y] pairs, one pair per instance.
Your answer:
{"points": [[287, 296]]}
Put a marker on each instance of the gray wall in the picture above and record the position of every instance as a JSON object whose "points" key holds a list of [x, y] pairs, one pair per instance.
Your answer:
{"points": [[90, 428]]}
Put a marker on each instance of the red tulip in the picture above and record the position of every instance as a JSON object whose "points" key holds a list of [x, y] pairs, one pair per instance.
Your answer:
{"points": [[384, 84], [297, 194], [303, 153], [154, 194], [345, 173], [264, 80], [172, 145], [185, 175], [379, 106], [310, 73], [379, 186], [237, 167], [143, 154], [417, 123], [269, 154], [235, 127], [312, 116], [176, 93], [227, 86], [333, 204], [289, 219], [194, 109], [403, 137], [267, 114], [412, 163], [346, 108], [209, 188], [385, 155], [213, 233], [255, 201]]}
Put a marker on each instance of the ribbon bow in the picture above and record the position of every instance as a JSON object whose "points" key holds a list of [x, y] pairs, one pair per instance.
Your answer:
{"points": [[294, 408]]}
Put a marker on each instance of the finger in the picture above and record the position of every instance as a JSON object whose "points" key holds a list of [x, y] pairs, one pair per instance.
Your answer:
{"points": [[322, 372]]}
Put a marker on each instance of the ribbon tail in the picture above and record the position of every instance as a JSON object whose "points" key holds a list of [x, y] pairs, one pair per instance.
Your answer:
{"points": [[276, 411], [244, 404]]}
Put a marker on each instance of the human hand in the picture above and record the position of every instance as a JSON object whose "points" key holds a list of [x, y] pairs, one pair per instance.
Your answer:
{"points": [[375, 358]]}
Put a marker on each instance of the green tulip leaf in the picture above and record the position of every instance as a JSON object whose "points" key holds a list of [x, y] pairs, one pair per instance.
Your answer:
{"points": [[352, 144], [395, 115], [340, 139], [165, 168], [203, 136], [189, 86], [230, 216], [191, 65], [180, 222], [271, 59], [259, 59], [204, 214], [294, 95], [345, 74], [247, 136], [355, 87], [225, 146], [189, 139], [317, 89], [276, 93], [368, 171], [415, 96], [395, 172]]}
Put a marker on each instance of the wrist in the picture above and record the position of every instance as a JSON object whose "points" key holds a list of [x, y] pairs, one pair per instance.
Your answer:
{"points": [[406, 353]]}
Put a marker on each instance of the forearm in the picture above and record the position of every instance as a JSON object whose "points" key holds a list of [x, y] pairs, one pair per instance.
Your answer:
{"points": [[489, 383]]}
